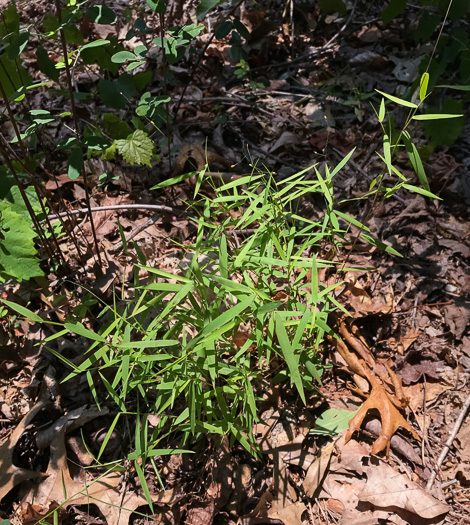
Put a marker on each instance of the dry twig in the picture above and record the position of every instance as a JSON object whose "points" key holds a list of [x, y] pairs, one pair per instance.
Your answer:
{"points": [[449, 442]]}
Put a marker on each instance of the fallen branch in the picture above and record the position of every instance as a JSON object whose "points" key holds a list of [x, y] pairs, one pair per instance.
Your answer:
{"points": [[449, 442], [153, 207]]}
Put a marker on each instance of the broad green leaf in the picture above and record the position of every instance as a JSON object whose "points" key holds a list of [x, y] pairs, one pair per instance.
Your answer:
{"points": [[332, 422], [428, 23], [446, 132], [398, 100], [436, 116], [13, 75], [17, 45], [393, 9], [115, 127], [122, 56], [157, 6], [18, 258], [333, 6], [137, 148], [75, 163], [133, 65], [100, 14], [241, 28], [46, 65], [223, 29], [205, 6]]}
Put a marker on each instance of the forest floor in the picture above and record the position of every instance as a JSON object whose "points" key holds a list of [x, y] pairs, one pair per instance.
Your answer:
{"points": [[305, 100]]}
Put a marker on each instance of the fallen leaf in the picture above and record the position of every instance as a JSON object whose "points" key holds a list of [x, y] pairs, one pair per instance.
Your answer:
{"points": [[391, 418], [11, 475], [386, 488], [317, 470], [59, 487]]}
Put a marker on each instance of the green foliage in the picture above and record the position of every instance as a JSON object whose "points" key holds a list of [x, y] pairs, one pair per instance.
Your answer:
{"points": [[451, 59], [100, 14], [136, 148], [446, 132], [393, 9], [207, 5], [195, 347], [332, 421], [332, 6], [18, 255]]}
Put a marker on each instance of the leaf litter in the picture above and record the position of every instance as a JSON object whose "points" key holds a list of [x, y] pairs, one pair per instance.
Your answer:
{"points": [[340, 479]]}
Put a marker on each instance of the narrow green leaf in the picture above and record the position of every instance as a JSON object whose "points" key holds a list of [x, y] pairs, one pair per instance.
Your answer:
{"points": [[160, 452], [174, 180], [291, 359], [23, 311], [342, 163], [79, 329], [458, 88], [382, 110], [416, 160], [436, 116], [423, 86], [95, 43], [166, 275], [422, 191], [387, 153], [379, 244], [108, 436], [149, 344], [398, 100], [144, 485]]}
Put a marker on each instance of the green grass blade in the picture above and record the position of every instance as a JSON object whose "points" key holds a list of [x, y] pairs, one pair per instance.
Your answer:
{"points": [[291, 359]]}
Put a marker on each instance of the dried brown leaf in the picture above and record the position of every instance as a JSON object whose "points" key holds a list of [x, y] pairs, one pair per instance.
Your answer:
{"points": [[317, 470], [391, 418], [386, 488], [11, 475]]}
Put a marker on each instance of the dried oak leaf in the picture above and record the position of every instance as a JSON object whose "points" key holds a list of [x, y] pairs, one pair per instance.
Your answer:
{"points": [[11, 475], [388, 489], [389, 414], [104, 492], [197, 157]]}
